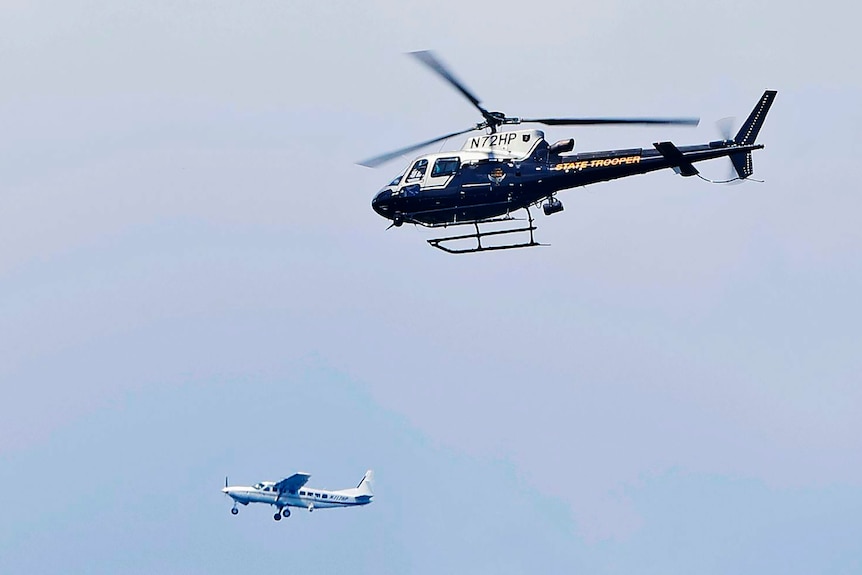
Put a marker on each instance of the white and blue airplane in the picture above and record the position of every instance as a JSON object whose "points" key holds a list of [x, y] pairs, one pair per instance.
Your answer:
{"points": [[291, 492]]}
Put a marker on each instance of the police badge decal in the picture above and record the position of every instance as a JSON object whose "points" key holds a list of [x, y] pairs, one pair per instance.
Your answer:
{"points": [[496, 176]]}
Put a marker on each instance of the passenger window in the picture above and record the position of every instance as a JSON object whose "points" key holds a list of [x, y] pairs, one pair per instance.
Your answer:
{"points": [[417, 172], [302, 492], [324, 495], [445, 167]]}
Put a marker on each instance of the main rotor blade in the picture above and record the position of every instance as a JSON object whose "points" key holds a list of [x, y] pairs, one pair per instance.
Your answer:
{"points": [[383, 158], [427, 57], [608, 121]]}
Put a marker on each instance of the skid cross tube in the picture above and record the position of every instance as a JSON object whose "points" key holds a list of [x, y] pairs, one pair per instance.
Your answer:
{"points": [[479, 234]]}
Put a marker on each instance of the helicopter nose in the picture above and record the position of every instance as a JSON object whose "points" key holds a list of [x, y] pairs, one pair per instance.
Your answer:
{"points": [[380, 203]]}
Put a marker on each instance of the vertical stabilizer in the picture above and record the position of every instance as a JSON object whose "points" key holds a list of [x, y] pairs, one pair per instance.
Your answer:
{"points": [[365, 486], [746, 136], [743, 164], [748, 133]]}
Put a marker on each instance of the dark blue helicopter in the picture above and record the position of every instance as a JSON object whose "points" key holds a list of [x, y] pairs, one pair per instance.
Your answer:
{"points": [[498, 173]]}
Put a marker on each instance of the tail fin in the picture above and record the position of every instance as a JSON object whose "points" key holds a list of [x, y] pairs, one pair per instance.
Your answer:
{"points": [[748, 133], [742, 162], [365, 486]]}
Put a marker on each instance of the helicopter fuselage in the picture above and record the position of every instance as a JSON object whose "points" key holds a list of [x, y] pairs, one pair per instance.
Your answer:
{"points": [[497, 174]]}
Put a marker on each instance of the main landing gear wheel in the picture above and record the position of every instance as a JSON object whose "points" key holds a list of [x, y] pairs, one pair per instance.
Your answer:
{"points": [[285, 512], [234, 511], [277, 516]]}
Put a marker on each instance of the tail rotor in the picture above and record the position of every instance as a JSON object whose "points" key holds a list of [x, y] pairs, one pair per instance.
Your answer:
{"points": [[726, 128]]}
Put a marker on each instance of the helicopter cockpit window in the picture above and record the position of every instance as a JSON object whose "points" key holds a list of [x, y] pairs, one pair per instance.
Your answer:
{"points": [[445, 167], [417, 172]]}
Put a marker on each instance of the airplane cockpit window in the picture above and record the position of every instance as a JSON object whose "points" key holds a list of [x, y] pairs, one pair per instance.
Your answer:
{"points": [[396, 181], [417, 172], [258, 486], [445, 167]]}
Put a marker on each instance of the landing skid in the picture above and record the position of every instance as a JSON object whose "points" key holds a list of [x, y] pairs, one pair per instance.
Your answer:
{"points": [[479, 234]]}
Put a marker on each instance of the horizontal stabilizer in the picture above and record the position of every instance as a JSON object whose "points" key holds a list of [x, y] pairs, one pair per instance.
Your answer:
{"points": [[672, 154]]}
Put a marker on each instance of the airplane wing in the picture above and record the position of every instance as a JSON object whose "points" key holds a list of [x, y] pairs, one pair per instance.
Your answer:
{"points": [[292, 483]]}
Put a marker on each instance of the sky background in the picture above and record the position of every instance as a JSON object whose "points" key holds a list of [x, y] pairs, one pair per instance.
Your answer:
{"points": [[193, 285]]}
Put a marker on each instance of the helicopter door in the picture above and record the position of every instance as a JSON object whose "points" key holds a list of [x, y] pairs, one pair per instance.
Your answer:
{"points": [[442, 172]]}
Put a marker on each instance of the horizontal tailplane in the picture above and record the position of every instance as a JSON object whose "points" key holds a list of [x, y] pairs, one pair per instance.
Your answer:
{"points": [[679, 163]]}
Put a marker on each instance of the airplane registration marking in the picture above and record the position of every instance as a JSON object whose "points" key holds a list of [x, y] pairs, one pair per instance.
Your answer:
{"points": [[492, 140], [597, 163]]}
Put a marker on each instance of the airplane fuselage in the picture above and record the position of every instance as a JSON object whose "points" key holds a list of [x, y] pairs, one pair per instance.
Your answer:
{"points": [[305, 498]]}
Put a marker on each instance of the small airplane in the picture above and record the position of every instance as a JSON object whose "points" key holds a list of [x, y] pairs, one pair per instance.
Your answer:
{"points": [[499, 173], [291, 492]]}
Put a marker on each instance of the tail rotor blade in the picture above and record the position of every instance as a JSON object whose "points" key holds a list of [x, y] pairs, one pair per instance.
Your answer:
{"points": [[725, 127]]}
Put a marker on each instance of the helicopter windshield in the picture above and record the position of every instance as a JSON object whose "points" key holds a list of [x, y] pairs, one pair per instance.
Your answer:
{"points": [[417, 172]]}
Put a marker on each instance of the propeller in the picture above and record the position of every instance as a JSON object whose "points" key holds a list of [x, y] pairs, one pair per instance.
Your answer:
{"points": [[493, 120]]}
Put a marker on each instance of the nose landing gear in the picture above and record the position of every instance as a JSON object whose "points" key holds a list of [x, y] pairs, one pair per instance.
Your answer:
{"points": [[234, 510]]}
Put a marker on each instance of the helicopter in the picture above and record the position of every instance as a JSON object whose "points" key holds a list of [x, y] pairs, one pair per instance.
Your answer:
{"points": [[494, 175]]}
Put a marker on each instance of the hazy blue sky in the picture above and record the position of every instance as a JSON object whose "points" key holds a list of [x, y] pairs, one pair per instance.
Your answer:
{"points": [[193, 285]]}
